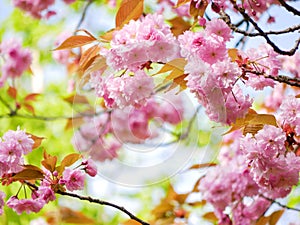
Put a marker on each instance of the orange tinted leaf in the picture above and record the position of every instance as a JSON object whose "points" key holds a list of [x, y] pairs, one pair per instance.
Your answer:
{"points": [[198, 9], [87, 56], [73, 99], [12, 92], [32, 167], [202, 165], [29, 108], [131, 222], [179, 25], [107, 36], [70, 159], [263, 221], [73, 123], [29, 174], [99, 63], [129, 10], [181, 2], [210, 216], [31, 97], [178, 81], [87, 32], [75, 217], [76, 41], [37, 140], [233, 54], [275, 216], [49, 162]]}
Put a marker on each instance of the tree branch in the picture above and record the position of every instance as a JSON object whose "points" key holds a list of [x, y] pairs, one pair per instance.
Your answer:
{"points": [[289, 8], [84, 14], [263, 34], [280, 78], [101, 202], [280, 204]]}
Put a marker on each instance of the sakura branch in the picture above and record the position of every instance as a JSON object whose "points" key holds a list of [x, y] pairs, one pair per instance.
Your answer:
{"points": [[280, 204], [101, 202]]}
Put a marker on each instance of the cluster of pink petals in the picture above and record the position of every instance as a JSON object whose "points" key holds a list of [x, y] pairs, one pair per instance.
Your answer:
{"points": [[211, 74], [272, 168], [228, 184], [38, 8], [119, 92], [2, 196], [14, 145], [138, 42], [73, 179], [16, 59], [290, 64], [289, 115], [105, 134]]}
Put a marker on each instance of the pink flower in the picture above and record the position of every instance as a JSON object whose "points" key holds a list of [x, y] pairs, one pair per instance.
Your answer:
{"points": [[34, 8], [2, 196], [21, 141], [218, 27], [46, 193], [25, 205], [10, 158], [90, 167], [73, 179]]}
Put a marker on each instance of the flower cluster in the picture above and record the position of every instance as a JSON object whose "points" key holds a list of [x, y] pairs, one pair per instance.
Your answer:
{"points": [[148, 39], [104, 135], [38, 8], [119, 92], [262, 166], [13, 147], [16, 59]]}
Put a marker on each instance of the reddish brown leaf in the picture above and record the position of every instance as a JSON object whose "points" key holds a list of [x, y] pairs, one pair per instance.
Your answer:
{"points": [[210, 216], [75, 217], [107, 36], [12, 92], [74, 99], [181, 2], [29, 174], [49, 162], [129, 10], [29, 108], [275, 216], [179, 25], [37, 140], [198, 10], [202, 165], [31, 97], [68, 161], [131, 222], [88, 57], [76, 41]]}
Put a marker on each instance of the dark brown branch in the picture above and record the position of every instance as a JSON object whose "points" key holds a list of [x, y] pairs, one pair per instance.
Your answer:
{"points": [[101, 202], [280, 204], [280, 78], [235, 28], [289, 8], [263, 34]]}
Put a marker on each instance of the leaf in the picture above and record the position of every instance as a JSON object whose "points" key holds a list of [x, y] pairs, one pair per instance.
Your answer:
{"points": [[263, 221], [275, 216], [198, 9], [131, 222], [29, 108], [12, 92], [88, 57], [253, 122], [233, 54], [176, 69], [202, 165], [179, 25], [181, 2], [129, 10], [29, 174], [37, 140], [74, 123], [31, 97], [107, 36], [98, 64], [49, 162], [76, 41], [210, 216], [68, 161], [178, 81], [74, 99], [75, 217]]}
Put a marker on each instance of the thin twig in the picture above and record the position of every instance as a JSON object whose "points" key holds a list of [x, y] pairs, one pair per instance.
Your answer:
{"points": [[280, 204], [289, 8], [280, 78], [101, 202], [263, 34], [84, 14]]}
